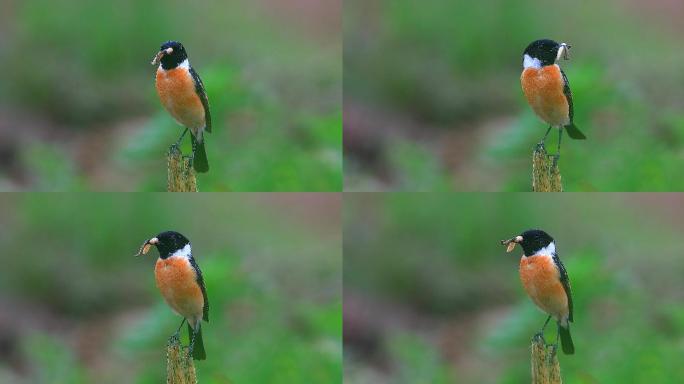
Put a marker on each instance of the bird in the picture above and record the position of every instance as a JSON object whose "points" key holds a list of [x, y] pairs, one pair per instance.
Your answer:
{"points": [[181, 284], [182, 94], [546, 88], [546, 281]]}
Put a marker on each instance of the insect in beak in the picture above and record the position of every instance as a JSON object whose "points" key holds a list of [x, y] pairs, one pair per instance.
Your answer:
{"points": [[146, 246], [157, 58], [563, 52], [511, 243]]}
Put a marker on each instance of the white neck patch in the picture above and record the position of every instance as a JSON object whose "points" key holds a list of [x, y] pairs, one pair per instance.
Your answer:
{"points": [[185, 252], [547, 251], [531, 62]]}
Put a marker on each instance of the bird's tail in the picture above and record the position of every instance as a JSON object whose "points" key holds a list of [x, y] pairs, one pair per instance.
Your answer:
{"points": [[574, 132], [566, 340], [199, 161], [198, 352]]}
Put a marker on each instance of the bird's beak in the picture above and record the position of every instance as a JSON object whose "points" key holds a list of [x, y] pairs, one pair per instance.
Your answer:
{"points": [[161, 54], [563, 51], [146, 246], [510, 243]]}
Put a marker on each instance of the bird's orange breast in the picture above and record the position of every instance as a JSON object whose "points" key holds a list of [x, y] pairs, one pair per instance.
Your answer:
{"points": [[543, 88], [541, 280], [177, 282], [177, 93]]}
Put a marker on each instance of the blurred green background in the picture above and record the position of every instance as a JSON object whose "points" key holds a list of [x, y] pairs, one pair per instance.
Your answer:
{"points": [[431, 296], [433, 98], [79, 111], [77, 307]]}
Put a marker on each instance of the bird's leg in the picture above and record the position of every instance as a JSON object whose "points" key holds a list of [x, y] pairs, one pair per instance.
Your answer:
{"points": [[560, 135], [179, 327], [192, 342], [554, 346], [191, 158], [176, 334], [541, 332], [181, 138], [541, 143]]}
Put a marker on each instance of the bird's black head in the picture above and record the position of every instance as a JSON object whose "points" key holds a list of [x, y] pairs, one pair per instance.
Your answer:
{"points": [[167, 243], [171, 54], [533, 240], [544, 50]]}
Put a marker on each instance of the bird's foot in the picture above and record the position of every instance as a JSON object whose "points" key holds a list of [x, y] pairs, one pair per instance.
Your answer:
{"points": [[555, 160], [175, 148], [175, 338], [555, 157], [540, 147], [553, 348]]}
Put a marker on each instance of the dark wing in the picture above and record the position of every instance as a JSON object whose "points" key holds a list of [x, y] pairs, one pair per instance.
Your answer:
{"points": [[200, 281], [567, 93], [566, 283], [199, 88]]}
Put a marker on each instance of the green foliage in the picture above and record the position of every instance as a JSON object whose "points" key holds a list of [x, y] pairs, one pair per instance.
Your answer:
{"points": [[53, 359], [51, 168], [451, 69], [275, 94], [275, 150], [417, 361], [272, 272], [636, 158], [457, 297], [416, 169]]}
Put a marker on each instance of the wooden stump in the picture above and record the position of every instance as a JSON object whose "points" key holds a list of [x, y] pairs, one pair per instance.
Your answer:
{"points": [[545, 367], [545, 174], [180, 368], [181, 176]]}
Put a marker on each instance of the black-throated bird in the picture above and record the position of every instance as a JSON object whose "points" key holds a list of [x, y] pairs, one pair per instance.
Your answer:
{"points": [[182, 94], [180, 282], [546, 281], [546, 87]]}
